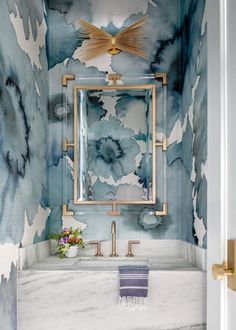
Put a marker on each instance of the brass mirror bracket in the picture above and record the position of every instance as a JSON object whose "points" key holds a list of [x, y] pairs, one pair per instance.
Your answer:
{"points": [[66, 78], [228, 268], [66, 211], [114, 77], [66, 144], [164, 210], [161, 76], [163, 144], [114, 212]]}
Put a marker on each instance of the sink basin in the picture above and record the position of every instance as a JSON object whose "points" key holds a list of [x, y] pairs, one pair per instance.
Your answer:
{"points": [[109, 263]]}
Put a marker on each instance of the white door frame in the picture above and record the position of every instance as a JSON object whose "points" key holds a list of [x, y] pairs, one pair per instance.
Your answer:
{"points": [[231, 127], [221, 169]]}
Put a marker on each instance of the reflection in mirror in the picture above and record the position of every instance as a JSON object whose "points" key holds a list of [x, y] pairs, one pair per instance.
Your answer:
{"points": [[114, 155]]}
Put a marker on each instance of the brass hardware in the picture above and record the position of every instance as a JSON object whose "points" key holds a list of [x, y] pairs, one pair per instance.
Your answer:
{"points": [[67, 77], [76, 88], [113, 234], [130, 243], [65, 210], [113, 50], [228, 268], [161, 76], [66, 144], [220, 271], [114, 211], [164, 210], [163, 144], [114, 77], [99, 246]]}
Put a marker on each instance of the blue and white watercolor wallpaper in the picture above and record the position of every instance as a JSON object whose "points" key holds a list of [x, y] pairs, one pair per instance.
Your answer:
{"points": [[193, 121], [23, 139], [64, 57], [33, 111], [176, 44]]}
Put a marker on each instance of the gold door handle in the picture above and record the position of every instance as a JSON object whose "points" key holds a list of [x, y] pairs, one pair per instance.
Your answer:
{"points": [[220, 271], [227, 268]]}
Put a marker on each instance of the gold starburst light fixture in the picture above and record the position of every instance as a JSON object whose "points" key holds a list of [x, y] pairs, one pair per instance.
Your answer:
{"points": [[129, 40]]}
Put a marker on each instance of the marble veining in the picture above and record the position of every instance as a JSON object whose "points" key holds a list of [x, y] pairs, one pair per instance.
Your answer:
{"points": [[164, 254], [89, 300], [108, 263]]}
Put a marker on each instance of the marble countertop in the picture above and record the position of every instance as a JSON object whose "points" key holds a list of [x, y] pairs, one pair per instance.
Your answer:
{"points": [[109, 263], [158, 255]]}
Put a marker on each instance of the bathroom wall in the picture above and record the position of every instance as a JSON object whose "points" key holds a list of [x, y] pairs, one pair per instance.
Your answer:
{"points": [[23, 139], [174, 37], [163, 47], [193, 123]]}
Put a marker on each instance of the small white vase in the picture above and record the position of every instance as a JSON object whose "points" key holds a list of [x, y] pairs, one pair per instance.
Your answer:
{"points": [[72, 252], [53, 246]]}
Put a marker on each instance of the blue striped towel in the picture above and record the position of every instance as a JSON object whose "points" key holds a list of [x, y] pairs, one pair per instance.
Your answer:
{"points": [[133, 285]]}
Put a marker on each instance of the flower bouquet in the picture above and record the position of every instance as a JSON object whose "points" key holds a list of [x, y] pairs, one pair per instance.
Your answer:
{"points": [[69, 241]]}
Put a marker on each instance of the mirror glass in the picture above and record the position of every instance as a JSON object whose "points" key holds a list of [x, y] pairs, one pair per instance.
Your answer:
{"points": [[114, 152]]}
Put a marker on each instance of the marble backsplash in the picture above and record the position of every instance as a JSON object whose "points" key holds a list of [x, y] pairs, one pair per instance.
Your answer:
{"points": [[170, 249]]}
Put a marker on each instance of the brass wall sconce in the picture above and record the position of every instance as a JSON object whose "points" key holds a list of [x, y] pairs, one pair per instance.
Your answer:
{"points": [[100, 42]]}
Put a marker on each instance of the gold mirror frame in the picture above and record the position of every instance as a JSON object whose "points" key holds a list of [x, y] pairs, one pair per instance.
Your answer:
{"points": [[164, 145], [76, 89]]}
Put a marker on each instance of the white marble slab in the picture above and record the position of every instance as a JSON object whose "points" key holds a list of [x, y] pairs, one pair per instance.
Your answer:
{"points": [[194, 254], [32, 254], [88, 300], [164, 249], [107, 263]]}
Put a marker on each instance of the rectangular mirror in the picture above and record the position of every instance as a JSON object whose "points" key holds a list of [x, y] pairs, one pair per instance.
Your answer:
{"points": [[114, 144]]}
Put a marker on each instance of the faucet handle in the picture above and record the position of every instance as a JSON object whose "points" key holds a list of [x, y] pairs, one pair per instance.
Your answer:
{"points": [[130, 243], [99, 248]]}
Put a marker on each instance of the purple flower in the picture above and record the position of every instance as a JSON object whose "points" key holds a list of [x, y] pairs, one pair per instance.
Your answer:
{"points": [[61, 241]]}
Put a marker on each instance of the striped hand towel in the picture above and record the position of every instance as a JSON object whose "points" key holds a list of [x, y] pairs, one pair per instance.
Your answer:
{"points": [[133, 286]]}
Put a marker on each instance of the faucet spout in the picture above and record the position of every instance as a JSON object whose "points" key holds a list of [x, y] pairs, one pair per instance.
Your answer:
{"points": [[113, 237]]}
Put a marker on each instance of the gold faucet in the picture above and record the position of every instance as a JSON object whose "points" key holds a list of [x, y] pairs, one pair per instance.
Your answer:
{"points": [[113, 235], [130, 243], [99, 248]]}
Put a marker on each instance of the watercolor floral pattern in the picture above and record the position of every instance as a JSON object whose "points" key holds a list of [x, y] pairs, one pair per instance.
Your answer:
{"points": [[112, 149]]}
